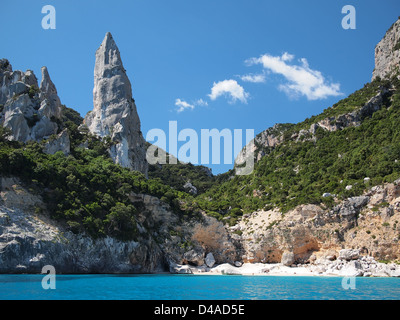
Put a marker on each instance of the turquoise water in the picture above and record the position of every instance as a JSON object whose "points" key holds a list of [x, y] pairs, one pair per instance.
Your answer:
{"points": [[190, 287]]}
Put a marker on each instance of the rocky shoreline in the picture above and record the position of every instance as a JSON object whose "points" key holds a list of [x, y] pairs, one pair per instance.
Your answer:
{"points": [[361, 266], [30, 240]]}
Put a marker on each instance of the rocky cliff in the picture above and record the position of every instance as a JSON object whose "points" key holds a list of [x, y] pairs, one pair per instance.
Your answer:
{"points": [[308, 236], [368, 223], [342, 233], [387, 64], [30, 112], [387, 53], [30, 239], [263, 143], [114, 113]]}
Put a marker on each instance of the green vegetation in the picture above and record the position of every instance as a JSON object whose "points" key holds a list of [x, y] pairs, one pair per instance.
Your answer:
{"points": [[176, 175], [335, 160], [33, 90], [88, 192], [85, 190], [353, 102]]}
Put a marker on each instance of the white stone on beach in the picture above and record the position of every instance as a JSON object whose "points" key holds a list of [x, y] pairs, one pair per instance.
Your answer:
{"points": [[210, 260]]}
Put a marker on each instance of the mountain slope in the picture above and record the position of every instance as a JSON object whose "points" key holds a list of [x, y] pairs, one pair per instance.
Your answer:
{"points": [[328, 183]]}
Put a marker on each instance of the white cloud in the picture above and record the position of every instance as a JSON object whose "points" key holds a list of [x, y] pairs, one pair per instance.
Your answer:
{"points": [[231, 88], [201, 102], [255, 78], [183, 105], [301, 79]]}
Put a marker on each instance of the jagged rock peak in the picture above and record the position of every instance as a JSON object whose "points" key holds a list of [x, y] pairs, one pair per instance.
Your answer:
{"points": [[387, 53], [46, 85], [114, 111], [107, 57], [50, 102], [5, 65], [26, 110]]}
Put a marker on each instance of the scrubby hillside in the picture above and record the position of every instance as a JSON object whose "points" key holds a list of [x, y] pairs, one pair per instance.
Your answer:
{"points": [[351, 146], [69, 195]]}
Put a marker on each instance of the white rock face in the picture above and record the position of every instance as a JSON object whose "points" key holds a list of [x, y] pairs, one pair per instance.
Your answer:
{"points": [[27, 110], [30, 239], [114, 113], [268, 139], [61, 143], [387, 53], [50, 102], [210, 260]]}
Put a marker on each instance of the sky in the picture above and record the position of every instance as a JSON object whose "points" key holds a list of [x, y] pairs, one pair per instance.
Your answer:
{"points": [[226, 64]]}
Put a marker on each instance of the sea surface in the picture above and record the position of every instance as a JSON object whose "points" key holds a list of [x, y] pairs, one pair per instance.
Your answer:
{"points": [[196, 287]]}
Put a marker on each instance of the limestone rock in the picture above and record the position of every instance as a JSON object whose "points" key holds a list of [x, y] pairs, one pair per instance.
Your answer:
{"points": [[30, 240], [50, 104], [287, 258], [268, 139], [210, 261], [349, 254], [60, 143], [387, 53], [194, 257], [181, 269], [238, 264], [114, 111], [29, 112], [226, 268], [190, 188]]}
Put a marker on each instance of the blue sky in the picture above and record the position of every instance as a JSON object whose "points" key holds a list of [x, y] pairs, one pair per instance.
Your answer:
{"points": [[206, 64]]}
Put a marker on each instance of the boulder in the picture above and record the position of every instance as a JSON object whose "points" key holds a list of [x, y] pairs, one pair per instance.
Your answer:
{"points": [[226, 268], [287, 258], [210, 261], [349, 254]]}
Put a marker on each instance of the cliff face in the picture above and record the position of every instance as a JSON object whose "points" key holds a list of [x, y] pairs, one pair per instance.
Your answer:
{"points": [[27, 110], [268, 139], [387, 53], [114, 113], [368, 223], [30, 239]]}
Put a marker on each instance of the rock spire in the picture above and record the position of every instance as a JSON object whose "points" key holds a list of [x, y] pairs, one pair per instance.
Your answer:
{"points": [[114, 111]]}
